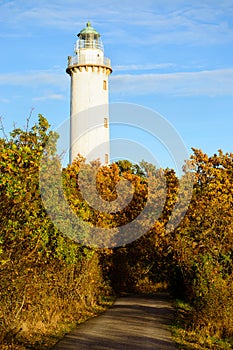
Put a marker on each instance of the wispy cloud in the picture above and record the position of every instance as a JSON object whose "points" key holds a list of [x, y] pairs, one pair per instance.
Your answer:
{"points": [[206, 82], [143, 67], [49, 97], [209, 83], [34, 79], [4, 100], [177, 22], [15, 35]]}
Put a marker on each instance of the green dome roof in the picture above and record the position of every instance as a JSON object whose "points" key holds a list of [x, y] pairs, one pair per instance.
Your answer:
{"points": [[88, 30]]}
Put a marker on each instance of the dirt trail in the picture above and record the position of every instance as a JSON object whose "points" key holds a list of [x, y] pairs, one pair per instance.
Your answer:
{"points": [[133, 323]]}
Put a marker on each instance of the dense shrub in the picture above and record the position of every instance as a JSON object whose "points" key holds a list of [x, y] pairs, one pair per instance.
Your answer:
{"points": [[203, 245], [46, 279]]}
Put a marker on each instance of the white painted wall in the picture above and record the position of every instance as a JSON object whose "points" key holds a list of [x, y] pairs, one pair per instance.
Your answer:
{"points": [[89, 106]]}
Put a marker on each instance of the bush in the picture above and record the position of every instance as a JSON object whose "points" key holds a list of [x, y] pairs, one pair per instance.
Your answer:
{"points": [[47, 280]]}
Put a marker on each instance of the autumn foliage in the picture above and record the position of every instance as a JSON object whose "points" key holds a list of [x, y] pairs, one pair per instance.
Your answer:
{"points": [[53, 273], [203, 245], [47, 280]]}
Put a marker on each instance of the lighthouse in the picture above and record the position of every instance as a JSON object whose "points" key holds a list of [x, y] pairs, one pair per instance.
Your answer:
{"points": [[89, 98]]}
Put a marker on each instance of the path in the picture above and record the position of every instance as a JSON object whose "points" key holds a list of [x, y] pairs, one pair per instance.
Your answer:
{"points": [[133, 323]]}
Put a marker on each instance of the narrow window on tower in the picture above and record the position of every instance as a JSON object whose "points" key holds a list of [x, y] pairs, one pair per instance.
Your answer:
{"points": [[105, 85], [106, 158], [106, 122]]}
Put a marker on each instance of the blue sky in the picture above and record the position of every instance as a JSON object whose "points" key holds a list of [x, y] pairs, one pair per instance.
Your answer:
{"points": [[172, 56]]}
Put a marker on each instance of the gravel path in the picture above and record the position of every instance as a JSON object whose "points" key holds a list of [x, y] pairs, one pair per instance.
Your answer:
{"points": [[133, 323]]}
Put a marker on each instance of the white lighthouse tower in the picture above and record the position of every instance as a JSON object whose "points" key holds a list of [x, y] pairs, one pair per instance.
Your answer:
{"points": [[89, 100]]}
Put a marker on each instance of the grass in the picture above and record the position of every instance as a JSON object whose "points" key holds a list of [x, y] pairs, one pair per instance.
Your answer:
{"points": [[188, 338]]}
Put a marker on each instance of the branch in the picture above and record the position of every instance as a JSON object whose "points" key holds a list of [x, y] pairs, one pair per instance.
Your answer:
{"points": [[3, 129], [28, 119]]}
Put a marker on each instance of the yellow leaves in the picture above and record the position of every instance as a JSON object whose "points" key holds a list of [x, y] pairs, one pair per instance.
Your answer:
{"points": [[19, 159]]}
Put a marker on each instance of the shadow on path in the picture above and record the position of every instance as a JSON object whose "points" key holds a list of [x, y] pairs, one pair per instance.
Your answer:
{"points": [[134, 322]]}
